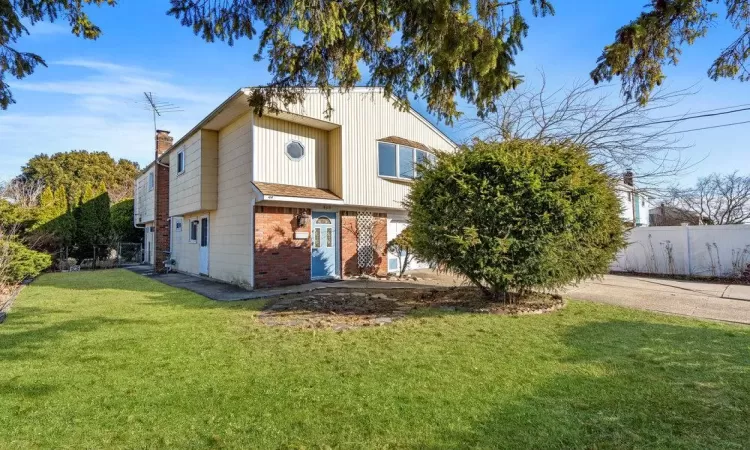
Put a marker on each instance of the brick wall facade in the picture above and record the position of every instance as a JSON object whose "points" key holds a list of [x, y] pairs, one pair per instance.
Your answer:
{"points": [[161, 217], [349, 233], [161, 202], [281, 260]]}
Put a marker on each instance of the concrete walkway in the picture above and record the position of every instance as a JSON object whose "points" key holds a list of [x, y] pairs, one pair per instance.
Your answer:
{"points": [[217, 290], [730, 303]]}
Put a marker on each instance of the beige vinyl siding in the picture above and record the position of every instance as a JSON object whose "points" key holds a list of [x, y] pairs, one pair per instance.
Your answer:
{"points": [[364, 118], [274, 166], [209, 169], [229, 244], [143, 209], [184, 188], [196, 188], [335, 181], [186, 253]]}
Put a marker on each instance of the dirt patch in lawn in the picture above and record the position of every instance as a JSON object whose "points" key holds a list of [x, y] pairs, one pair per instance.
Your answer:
{"points": [[342, 309]]}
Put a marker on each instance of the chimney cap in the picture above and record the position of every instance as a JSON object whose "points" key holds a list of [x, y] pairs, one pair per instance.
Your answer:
{"points": [[162, 132]]}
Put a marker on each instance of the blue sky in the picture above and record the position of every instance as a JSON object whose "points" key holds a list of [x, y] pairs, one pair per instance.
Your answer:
{"points": [[88, 96]]}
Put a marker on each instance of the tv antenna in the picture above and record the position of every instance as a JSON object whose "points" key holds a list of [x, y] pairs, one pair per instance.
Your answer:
{"points": [[158, 107]]}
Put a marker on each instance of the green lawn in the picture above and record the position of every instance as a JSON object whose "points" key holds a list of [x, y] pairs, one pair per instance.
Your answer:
{"points": [[112, 359]]}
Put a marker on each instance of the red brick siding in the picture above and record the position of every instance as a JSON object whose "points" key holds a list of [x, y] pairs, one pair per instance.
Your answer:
{"points": [[349, 244], [161, 216], [280, 260]]}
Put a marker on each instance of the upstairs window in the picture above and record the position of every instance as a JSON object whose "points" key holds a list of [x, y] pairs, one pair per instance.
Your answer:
{"points": [[405, 162], [387, 160], [181, 161], [400, 161], [295, 150], [151, 181]]}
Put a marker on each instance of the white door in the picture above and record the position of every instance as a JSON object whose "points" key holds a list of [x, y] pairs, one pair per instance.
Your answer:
{"points": [[204, 246], [148, 246], [395, 227]]}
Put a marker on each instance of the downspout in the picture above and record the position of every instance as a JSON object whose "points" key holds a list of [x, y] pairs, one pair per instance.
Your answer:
{"points": [[253, 198], [252, 242]]}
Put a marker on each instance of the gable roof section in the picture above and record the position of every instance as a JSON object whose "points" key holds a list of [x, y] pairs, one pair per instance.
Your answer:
{"points": [[286, 190], [241, 93]]}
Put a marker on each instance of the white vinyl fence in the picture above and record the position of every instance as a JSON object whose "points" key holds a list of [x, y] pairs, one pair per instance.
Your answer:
{"points": [[709, 250]]}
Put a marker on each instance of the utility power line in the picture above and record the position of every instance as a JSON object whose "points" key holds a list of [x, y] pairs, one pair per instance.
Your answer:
{"points": [[708, 128], [705, 111]]}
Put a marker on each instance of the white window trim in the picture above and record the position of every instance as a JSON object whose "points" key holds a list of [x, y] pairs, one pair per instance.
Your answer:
{"points": [[398, 176], [151, 181], [184, 162], [304, 150]]}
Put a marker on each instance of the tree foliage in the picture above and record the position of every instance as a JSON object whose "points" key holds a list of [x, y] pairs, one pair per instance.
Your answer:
{"points": [[121, 215], [439, 49], [516, 215], [643, 47], [75, 169], [18, 262], [13, 14]]}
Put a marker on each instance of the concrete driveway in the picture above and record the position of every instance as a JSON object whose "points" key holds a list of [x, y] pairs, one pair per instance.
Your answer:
{"points": [[715, 301]]}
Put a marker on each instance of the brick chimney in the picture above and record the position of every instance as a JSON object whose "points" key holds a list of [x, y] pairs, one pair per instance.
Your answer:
{"points": [[161, 202], [163, 142], [627, 177]]}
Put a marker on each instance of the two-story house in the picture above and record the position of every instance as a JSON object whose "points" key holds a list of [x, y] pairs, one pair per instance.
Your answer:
{"points": [[635, 202], [286, 198]]}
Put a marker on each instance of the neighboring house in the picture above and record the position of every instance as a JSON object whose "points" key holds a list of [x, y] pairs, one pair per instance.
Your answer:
{"points": [[665, 216], [286, 198], [635, 203]]}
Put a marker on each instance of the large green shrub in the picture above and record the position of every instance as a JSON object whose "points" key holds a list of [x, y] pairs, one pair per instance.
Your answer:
{"points": [[516, 216], [18, 262]]}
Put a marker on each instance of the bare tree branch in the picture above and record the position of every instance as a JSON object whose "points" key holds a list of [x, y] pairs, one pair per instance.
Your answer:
{"points": [[619, 135], [716, 199]]}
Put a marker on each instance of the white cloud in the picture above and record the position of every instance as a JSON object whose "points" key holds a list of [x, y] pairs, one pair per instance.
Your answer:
{"points": [[128, 82], [45, 28], [101, 108]]}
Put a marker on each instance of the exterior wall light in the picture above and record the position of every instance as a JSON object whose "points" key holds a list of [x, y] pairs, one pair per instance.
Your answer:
{"points": [[302, 219]]}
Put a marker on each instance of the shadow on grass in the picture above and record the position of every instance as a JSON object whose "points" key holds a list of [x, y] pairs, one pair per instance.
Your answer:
{"points": [[30, 391], [146, 291], [633, 384], [18, 345]]}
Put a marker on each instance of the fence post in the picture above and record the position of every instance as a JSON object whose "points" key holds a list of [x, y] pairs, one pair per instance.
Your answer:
{"points": [[688, 256]]}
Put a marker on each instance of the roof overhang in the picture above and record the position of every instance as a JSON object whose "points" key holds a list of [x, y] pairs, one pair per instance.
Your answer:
{"points": [[294, 194]]}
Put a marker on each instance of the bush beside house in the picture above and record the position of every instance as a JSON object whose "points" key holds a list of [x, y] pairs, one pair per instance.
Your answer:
{"points": [[516, 216]]}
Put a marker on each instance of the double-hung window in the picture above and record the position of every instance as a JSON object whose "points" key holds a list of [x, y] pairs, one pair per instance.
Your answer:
{"points": [[400, 161]]}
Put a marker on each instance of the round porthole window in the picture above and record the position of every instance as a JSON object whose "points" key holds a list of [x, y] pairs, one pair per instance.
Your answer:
{"points": [[295, 150]]}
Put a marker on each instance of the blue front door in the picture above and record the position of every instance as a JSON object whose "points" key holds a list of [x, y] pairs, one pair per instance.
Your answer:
{"points": [[323, 245]]}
